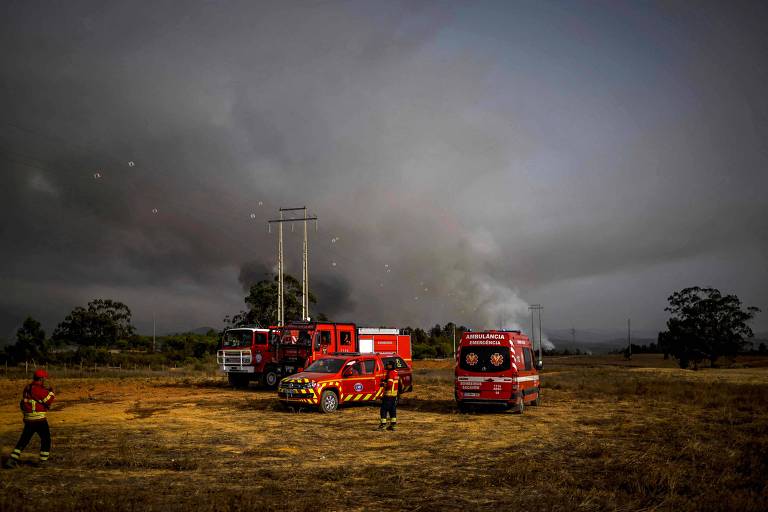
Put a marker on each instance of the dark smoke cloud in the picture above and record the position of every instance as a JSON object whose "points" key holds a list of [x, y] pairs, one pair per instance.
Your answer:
{"points": [[464, 160]]}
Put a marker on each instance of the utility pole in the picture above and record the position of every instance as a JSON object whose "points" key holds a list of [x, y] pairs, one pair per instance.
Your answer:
{"points": [[541, 333], [281, 264], [538, 308], [280, 302], [305, 273]]}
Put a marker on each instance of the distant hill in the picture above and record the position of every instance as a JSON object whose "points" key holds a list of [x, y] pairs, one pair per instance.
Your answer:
{"points": [[598, 341], [592, 335], [597, 347]]}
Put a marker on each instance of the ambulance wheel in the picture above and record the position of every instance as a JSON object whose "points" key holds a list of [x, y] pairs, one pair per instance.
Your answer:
{"points": [[329, 401], [270, 379], [238, 380]]}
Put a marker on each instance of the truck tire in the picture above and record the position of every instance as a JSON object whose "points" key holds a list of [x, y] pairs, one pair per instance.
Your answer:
{"points": [[270, 378], [519, 407], [238, 380], [537, 401], [329, 401]]}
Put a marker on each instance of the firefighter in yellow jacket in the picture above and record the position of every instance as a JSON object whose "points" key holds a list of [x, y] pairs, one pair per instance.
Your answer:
{"points": [[34, 404], [390, 384]]}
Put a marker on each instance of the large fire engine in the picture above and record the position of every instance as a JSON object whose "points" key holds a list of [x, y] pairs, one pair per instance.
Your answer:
{"points": [[266, 355], [496, 367], [341, 378]]}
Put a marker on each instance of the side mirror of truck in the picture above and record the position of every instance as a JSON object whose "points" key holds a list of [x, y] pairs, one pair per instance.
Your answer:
{"points": [[539, 365]]}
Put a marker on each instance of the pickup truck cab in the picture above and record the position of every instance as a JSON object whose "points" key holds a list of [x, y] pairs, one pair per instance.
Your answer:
{"points": [[341, 378]]}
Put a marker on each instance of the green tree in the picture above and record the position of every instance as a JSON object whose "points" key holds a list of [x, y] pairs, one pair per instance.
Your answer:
{"points": [[101, 323], [30, 341], [705, 324], [262, 303]]}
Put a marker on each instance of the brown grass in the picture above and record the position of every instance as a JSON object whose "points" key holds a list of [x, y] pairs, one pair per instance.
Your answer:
{"points": [[610, 435]]}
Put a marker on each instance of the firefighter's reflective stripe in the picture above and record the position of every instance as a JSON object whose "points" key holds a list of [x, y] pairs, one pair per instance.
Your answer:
{"points": [[44, 455], [33, 414], [16, 454]]}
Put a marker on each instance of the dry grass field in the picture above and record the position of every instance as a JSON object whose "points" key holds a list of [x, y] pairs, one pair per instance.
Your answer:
{"points": [[610, 435]]}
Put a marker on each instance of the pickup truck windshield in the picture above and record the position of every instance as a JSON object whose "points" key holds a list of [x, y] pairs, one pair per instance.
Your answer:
{"points": [[238, 338], [327, 365], [485, 359]]}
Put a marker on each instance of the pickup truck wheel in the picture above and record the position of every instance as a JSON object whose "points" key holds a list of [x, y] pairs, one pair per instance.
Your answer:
{"points": [[270, 379], [329, 401], [237, 380]]}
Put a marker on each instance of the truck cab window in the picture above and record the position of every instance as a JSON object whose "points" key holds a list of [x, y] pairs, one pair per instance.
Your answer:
{"points": [[399, 363], [353, 370], [346, 338], [304, 338], [238, 338], [370, 366], [261, 338]]}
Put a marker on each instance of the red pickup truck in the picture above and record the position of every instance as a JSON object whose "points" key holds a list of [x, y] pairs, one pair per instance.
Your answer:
{"points": [[341, 378]]}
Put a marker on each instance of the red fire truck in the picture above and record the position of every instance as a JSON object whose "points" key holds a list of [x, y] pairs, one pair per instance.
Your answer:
{"points": [[266, 355], [496, 367]]}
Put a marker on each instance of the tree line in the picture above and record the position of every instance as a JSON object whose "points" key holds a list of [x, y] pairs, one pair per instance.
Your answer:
{"points": [[704, 325], [102, 333]]}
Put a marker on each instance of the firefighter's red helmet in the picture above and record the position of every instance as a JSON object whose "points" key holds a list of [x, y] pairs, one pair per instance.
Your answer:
{"points": [[41, 374]]}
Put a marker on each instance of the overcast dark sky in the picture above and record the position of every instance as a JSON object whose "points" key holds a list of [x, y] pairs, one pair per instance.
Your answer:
{"points": [[468, 158]]}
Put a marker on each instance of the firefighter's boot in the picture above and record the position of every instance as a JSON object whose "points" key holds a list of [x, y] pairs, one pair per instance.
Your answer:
{"points": [[43, 460], [393, 424], [382, 424], [14, 460]]}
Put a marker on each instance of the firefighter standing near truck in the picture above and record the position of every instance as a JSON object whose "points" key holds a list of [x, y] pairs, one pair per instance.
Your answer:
{"points": [[36, 400], [390, 383]]}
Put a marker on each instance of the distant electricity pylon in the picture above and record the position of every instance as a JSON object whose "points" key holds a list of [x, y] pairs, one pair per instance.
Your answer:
{"points": [[281, 264], [538, 308]]}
